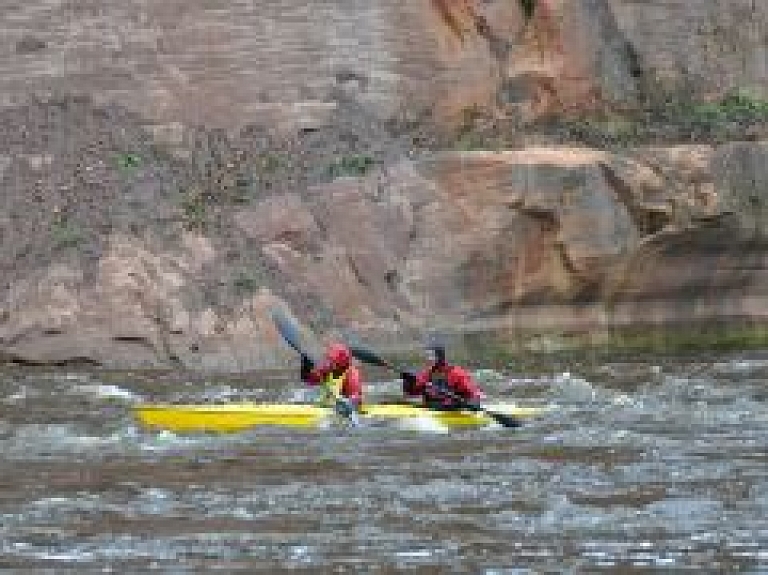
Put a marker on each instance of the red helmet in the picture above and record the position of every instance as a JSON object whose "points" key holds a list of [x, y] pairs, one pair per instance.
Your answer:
{"points": [[338, 355]]}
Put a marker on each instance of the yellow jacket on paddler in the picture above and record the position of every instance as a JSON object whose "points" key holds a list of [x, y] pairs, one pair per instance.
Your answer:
{"points": [[338, 377], [331, 388]]}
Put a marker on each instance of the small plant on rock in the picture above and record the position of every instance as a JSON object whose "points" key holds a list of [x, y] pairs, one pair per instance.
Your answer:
{"points": [[528, 7], [247, 282], [354, 165], [66, 233], [194, 208], [127, 162]]}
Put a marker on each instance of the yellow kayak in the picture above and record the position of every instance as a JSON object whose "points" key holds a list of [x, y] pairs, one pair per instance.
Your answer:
{"points": [[234, 417]]}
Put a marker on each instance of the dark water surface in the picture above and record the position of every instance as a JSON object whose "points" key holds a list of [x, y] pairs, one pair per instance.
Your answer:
{"points": [[651, 465]]}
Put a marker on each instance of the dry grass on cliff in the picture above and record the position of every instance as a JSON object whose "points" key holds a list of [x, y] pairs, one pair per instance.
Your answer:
{"points": [[74, 174], [737, 116]]}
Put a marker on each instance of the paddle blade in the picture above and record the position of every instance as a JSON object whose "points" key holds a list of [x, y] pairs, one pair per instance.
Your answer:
{"points": [[289, 330], [501, 418], [504, 419]]}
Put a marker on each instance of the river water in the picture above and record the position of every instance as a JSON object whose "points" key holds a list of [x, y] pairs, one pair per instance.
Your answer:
{"points": [[646, 465]]}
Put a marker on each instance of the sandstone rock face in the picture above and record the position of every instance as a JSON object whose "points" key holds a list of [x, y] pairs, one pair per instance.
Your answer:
{"points": [[286, 63], [146, 225], [196, 63], [533, 239], [135, 315], [703, 46]]}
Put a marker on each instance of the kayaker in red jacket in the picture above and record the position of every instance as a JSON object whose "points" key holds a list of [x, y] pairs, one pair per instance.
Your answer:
{"points": [[442, 385], [337, 375]]}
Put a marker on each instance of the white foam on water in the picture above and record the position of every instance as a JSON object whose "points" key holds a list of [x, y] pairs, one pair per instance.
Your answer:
{"points": [[740, 365], [108, 391], [214, 393], [301, 395], [70, 377], [301, 554], [568, 387], [166, 441], [488, 375], [72, 556], [423, 424], [51, 439], [415, 554], [19, 396]]}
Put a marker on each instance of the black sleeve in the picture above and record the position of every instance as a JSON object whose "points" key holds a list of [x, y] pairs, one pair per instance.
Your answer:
{"points": [[409, 382], [306, 367]]}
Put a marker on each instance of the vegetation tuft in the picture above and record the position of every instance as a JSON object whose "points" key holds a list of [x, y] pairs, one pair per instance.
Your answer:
{"points": [[66, 233], [127, 161], [193, 205], [247, 282], [353, 165], [675, 119], [528, 7]]}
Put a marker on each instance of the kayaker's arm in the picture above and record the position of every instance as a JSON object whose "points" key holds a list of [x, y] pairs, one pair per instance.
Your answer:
{"points": [[410, 383], [352, 386], [465, 386], [307, 366], [312, 374]]}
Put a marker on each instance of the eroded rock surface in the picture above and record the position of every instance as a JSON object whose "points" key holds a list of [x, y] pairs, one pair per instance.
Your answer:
{"points": [[171, 170]]}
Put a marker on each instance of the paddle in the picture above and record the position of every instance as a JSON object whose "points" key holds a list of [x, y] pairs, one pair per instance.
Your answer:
{"points": [[368, 356], [290, 332]]}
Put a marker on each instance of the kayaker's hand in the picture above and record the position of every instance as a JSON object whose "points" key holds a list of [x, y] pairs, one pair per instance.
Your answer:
{"points": [[348, 410], [344, 407], [306, 367]]}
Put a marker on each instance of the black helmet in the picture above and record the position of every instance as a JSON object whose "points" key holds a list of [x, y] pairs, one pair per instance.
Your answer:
{"points": [[438, 349]]}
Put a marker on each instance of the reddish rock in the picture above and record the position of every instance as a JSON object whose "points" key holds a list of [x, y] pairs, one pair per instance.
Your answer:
{"points": [[189, 62]]}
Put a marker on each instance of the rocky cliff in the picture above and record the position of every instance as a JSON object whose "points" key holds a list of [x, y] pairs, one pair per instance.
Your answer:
{"points": [[170, 170]]}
